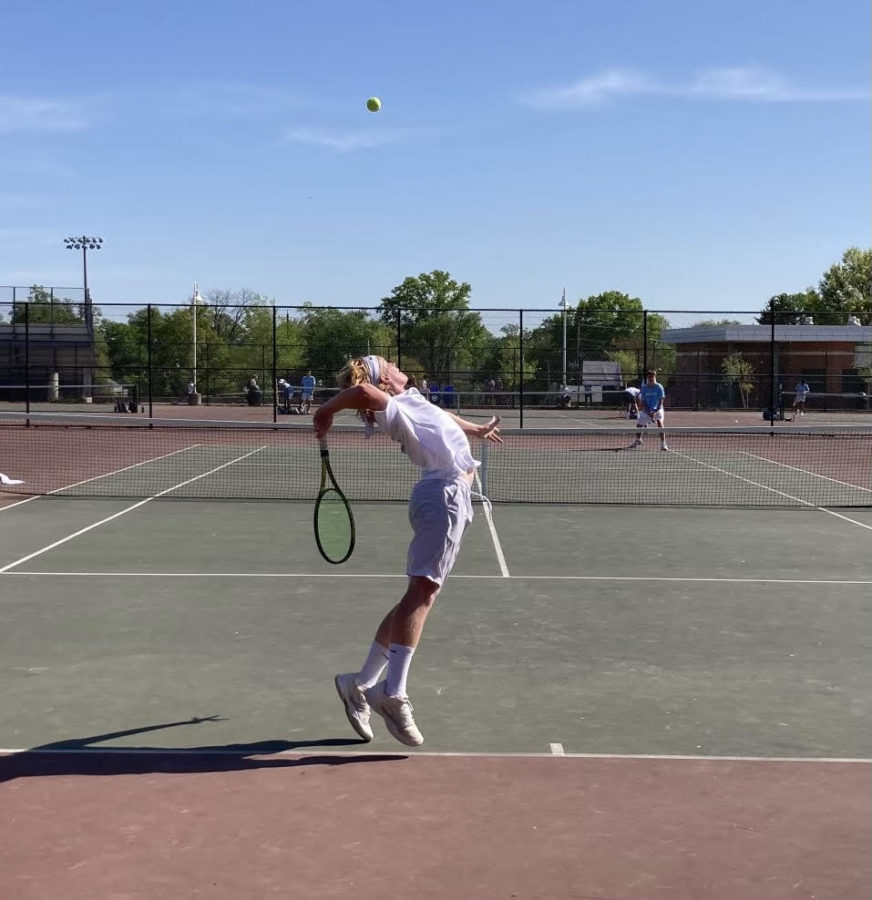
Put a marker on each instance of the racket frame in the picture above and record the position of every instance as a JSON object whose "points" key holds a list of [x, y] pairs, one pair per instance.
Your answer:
{"points": [[332, 487]]}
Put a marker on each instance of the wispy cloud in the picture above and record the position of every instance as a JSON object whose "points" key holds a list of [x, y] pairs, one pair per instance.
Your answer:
{"points": [[341, 141], [46, 114], [228, 100], [741, 83]]}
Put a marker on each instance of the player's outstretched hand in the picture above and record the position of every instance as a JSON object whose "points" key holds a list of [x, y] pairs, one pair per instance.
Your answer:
{"points": [[490, 431]]}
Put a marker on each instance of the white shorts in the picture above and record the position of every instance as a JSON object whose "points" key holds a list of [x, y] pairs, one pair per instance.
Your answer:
{"points": [[647, 419], [439, 512]]}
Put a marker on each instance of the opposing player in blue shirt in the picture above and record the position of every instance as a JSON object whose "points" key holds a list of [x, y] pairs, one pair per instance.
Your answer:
{"points": [[650, 405]]}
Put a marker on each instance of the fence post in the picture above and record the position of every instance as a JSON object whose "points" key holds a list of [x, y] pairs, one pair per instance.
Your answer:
{"points": [[27, 358], [274, 368], [149, 362], [644, 342], [399, 343], [773, 387], [521, 365]]}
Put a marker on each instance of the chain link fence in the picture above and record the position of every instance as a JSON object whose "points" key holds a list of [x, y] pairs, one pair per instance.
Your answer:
{"points": [[527, 363]]}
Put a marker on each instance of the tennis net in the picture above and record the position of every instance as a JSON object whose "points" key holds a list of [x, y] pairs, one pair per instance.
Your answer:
{"points": [[128, 457]]}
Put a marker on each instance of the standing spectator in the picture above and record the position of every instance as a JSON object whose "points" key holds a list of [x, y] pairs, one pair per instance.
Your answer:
{"points": [[424, 390], [801, 391], [650, 404], [565, 396], [588, 394], [307, 390]]}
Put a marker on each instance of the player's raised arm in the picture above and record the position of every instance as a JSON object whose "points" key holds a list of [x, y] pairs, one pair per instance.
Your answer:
{"points": [[359, 396]]}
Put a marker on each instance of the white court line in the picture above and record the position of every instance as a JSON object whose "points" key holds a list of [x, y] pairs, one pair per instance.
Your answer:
{"points": [[98, 477], [856, 487], [501, 559], [766, 487], [408, 754], [122, 512], [453, 577]]}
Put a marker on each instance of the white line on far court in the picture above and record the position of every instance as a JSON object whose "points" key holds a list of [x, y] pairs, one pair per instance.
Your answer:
{"points": [[453, 577], [765, 487], [122, 512]]}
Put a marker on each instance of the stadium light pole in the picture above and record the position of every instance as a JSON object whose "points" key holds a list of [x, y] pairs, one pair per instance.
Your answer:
{"points": [[563, 304], [85, 243]]}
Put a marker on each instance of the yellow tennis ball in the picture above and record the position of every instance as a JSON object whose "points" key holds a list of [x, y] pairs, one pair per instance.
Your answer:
{"points": [[373, 104]]}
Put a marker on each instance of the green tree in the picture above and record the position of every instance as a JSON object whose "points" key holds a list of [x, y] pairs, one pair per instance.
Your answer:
{"points": [[42, 308], [846, 289], [331, 336], [788, 309], [437, 328], [739, 373]]}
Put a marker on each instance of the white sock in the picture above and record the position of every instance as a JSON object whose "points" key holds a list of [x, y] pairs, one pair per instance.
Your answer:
{"points": [[398, 670], [373, 667]]}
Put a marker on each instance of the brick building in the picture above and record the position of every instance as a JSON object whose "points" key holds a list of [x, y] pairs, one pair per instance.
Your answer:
{"points": [[833, 359]]}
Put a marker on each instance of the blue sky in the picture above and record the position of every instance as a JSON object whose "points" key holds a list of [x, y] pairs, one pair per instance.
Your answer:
{"points": [[698, 155]]}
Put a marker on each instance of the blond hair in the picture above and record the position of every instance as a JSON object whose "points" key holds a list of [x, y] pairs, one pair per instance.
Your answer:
{"points": [[355, 372]]}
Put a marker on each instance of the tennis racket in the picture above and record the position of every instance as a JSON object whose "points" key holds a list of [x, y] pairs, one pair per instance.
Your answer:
{"points": [[334, 523]]}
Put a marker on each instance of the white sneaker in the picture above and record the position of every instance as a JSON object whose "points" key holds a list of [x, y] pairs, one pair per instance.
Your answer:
{"points": [[356, 707], [636, 443], [397, 713], [663, 447]]}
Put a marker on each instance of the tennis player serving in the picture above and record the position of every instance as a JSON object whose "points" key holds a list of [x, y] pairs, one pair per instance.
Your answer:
{"points": [[440, 509]]}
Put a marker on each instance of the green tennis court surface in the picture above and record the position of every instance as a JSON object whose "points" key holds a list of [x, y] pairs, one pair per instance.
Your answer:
{"points": [[597, 629]]}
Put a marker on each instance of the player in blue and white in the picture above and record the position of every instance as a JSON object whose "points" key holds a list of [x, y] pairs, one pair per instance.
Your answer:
{"points": [[650, 406], [307, 384]]}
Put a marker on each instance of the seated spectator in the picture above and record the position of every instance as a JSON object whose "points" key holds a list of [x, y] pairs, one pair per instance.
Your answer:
{"points": [[253, 393]]}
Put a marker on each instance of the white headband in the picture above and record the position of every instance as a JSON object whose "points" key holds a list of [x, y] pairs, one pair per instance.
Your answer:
{"points": [[374, 369]]}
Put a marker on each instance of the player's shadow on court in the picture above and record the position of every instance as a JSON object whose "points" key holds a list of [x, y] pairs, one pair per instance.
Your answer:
{"points": [[84, 756]]}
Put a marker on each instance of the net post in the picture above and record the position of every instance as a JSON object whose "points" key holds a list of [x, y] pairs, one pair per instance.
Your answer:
{"points": [[482, 472]]}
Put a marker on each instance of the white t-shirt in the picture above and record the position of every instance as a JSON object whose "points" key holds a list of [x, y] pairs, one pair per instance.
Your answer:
{"points": [[431, 439]]}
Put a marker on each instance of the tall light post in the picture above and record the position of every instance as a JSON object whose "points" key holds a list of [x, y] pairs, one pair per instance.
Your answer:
{"points": [[196, 300], [563, 304], [86, 243]]}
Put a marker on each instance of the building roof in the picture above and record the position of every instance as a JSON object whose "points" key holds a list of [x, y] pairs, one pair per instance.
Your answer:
{"points": [[761, 334]]}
